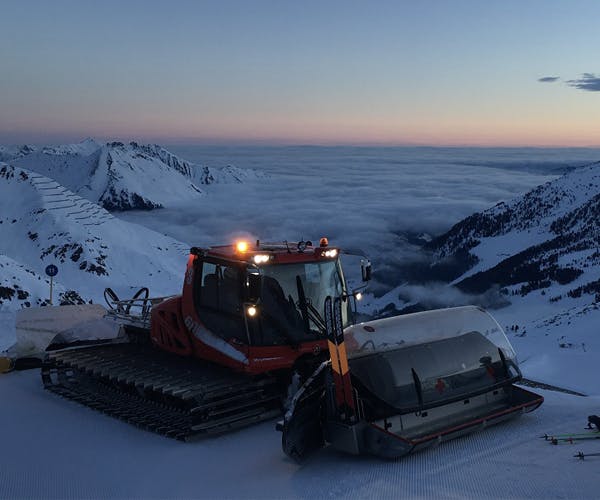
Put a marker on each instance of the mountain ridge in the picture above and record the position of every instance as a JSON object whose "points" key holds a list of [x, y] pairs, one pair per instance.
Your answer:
{"points": [[124, 176]]}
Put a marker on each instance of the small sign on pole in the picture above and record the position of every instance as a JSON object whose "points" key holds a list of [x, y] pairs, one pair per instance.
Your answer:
{"points": [[51, 271]]}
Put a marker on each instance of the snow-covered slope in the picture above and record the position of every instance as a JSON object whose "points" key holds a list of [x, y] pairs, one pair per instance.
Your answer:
{"points": [[548, 237], [21, 285], [42, 223], [507, 461], [122, 176], [542, 252]]}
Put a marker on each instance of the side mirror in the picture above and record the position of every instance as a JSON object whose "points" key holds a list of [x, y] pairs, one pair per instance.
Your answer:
{"points": [[365, 268], [254, 283]]}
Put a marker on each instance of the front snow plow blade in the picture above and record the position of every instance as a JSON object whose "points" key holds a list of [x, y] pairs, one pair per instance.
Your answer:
{"points": [[417, 380]]}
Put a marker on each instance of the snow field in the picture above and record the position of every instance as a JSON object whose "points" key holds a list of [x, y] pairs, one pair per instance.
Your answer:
{"points": [[59, 449]]}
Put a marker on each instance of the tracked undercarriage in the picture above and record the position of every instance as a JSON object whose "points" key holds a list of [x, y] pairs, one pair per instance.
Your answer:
{"points": [[163, 393]]}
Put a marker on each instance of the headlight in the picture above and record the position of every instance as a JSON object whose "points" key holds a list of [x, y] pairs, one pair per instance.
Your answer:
{"points": [[331, 253], [261, 258]]}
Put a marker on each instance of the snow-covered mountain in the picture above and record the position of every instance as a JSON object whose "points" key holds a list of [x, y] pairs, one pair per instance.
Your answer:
{"points": [[12, 152], [547, 239], [121, 176], [541, 252], [42, 222]]}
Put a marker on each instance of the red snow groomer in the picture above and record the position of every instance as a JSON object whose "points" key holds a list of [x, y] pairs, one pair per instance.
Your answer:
{"points": [[221, 355], [260, 326]]}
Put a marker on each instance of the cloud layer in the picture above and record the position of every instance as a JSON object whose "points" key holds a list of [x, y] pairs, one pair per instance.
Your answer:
{"points": [[366, 198], [588, 81], [549, 79]]}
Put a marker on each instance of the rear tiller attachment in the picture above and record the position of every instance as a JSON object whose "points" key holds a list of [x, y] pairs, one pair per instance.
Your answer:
{"points": [[397, 385]]}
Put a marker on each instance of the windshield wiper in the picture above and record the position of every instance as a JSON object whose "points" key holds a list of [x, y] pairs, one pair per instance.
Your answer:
{"points": [[316, 318], [308, 311], [302, 304]]}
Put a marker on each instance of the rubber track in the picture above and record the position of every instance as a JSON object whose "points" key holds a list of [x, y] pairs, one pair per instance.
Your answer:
{"points": [[163, 393]]}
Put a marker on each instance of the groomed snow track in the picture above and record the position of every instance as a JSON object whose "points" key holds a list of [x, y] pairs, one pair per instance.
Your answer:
{"points": [[173, 396]]}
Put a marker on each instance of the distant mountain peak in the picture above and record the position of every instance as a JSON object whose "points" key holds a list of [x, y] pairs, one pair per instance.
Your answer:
{"points": [[84, 148], [123, 176]]}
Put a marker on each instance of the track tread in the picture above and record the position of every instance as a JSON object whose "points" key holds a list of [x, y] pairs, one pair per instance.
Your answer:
{"points": [[176, 397]]}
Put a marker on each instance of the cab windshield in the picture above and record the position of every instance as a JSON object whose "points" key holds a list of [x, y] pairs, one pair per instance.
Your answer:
{"points": [[293, 298]]}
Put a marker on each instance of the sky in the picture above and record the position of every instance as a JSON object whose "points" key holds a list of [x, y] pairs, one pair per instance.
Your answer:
{"points": [[505, 73]]}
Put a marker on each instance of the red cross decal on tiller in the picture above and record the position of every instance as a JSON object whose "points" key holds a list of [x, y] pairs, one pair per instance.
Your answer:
{"points": [[440, 386]]}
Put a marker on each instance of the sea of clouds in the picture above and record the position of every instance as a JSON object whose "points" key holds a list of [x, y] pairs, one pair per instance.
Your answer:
{"points": [[367, 198]]}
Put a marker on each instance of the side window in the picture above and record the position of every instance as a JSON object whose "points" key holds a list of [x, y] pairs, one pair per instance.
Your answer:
{"points": [[230, 290], [220, 288], [209, 286]]}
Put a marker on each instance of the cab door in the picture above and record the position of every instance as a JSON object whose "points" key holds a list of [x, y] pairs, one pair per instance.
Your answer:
{"points": [[218, 299]]}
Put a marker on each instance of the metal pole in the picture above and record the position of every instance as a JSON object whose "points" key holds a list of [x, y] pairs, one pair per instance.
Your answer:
{"points": [[51, 280]]}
